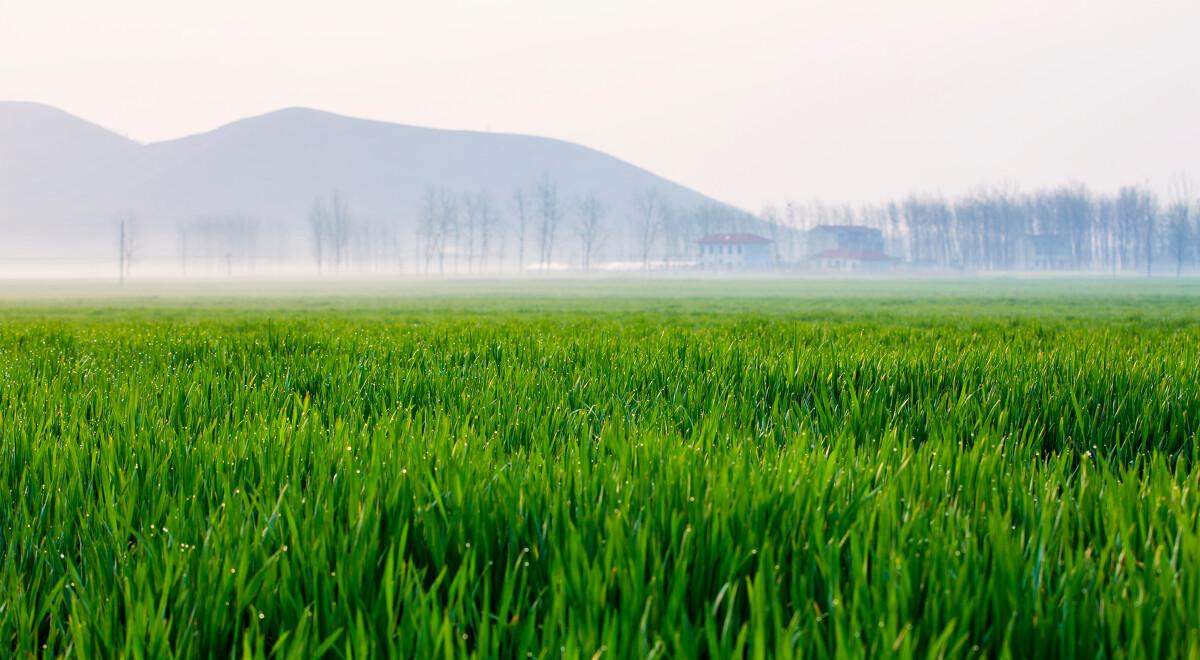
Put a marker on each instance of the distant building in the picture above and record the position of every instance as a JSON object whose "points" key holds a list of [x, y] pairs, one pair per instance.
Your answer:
{"points": [[847, 248], [1047, 252], [735, 252]]}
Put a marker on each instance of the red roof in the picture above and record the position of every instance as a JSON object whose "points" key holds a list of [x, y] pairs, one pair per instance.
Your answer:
{"points": [[858, 255], [732, 239]]}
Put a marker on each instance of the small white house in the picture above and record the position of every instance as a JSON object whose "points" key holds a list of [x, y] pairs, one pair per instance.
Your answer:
{"points": [[735, 252]]}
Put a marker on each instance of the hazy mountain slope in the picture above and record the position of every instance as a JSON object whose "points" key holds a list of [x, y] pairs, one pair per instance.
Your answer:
{"points": [[273, 165], [54, 165], [62, 173]]}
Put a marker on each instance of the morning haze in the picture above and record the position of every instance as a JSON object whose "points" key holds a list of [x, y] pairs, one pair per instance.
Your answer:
{"points": [[279, 136]]}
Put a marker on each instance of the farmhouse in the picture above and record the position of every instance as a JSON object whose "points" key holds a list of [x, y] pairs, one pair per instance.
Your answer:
{"points": [[847, 248], [735, 252]]}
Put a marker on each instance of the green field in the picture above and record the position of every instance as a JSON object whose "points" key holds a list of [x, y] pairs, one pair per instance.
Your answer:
{"points": [[614, 469]]}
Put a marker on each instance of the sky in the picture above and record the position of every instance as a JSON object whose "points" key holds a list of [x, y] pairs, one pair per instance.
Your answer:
{"points": [[750, 102]]}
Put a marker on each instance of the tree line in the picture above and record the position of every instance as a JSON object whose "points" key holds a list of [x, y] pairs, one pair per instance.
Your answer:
{"points": [[538, 227], [1133, 230], [535, 227]]}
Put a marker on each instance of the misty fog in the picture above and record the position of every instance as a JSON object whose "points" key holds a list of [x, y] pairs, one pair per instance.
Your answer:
{"points": [[306, 193]]}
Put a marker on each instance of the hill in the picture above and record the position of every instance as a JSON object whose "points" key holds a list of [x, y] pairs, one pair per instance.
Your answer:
{"points": [[65, 179]]}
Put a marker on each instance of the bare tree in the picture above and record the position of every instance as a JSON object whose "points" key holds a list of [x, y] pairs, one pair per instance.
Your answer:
{"points": [[1136, 211], [1105, 223], [1179, 221], [447, 226], [340, 229], [1149, 219], [645, 222], [471, 222], [521, 210], [488, 221], [550, 215], [330, 230], [675, 233], [770, 215], [1179, 234], [126, 244], [500, 238], [429, 229], [318, 231], [588, 227]]}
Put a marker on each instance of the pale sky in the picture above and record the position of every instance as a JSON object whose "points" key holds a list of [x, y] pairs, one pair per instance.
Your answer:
{"points": [[749, 102]]}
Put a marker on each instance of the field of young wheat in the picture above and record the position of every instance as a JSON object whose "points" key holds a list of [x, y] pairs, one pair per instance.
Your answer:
{"points": [[745, 469]]}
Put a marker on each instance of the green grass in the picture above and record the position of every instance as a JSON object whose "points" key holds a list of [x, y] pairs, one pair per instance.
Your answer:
{"points": [[587, 470]]}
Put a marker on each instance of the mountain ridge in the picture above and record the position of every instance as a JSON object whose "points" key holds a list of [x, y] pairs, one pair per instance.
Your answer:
{"points": [[71, 177]]}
